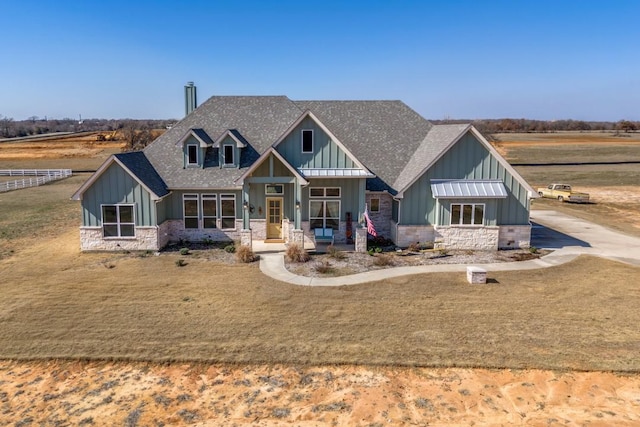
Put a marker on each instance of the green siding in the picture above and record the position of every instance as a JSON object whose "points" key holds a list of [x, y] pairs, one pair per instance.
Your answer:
{"points": [[467, 159], [350, 197], [115, 186], [326, 153]]}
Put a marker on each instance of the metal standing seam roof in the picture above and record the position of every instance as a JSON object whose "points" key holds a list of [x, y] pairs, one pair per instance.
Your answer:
{"points": [[463, 188], [328, 172]]}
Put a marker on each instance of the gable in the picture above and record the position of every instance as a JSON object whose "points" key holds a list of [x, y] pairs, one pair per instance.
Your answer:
{"points": [[325, 153], [115, 185], [467, 159]]}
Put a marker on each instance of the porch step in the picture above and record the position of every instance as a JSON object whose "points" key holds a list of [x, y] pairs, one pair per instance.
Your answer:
{"points": [[274, 241]]}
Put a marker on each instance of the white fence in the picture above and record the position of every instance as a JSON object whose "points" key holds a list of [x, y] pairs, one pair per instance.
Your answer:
{"points": [[36, 177]]}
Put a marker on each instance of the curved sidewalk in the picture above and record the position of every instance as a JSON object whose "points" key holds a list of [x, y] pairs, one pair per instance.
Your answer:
{"points": [[567, 236]]}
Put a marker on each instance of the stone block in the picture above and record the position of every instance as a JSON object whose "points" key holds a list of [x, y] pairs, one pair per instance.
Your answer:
{"points": [[476, 275]]}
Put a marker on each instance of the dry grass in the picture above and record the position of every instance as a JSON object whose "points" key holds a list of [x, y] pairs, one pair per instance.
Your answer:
{"points": [[144, 308]]}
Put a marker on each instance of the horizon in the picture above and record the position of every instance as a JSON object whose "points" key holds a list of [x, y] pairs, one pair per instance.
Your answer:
{"points": [[447, 61]]}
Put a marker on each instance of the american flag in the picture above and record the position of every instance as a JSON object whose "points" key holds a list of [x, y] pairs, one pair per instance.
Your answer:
{"points": [[370, 228]]}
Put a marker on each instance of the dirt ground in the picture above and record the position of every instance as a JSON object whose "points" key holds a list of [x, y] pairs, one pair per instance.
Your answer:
{"points": [[142, 394], [130, 394]]}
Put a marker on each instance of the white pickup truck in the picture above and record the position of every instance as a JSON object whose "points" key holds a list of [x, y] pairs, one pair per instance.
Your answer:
{"points": [[563, 193]]}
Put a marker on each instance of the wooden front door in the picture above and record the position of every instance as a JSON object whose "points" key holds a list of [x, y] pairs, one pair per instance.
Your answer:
{"points": [[274, 217]]}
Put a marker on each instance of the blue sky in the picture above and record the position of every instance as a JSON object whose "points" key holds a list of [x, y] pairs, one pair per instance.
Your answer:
{"points": [[447, 59]]}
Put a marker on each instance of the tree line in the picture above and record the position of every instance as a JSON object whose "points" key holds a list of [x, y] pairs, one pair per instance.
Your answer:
{"points": [[491, 126], [10, 128]]}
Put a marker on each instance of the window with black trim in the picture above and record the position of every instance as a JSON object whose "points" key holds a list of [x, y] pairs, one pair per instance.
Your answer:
{"points": [[192, 154], [228, 155], [191, 211], [375, 204], [274, 189], [467, 214], [324, 192], [118, 221], [307, 140], [228, 211], [209, 203], [324, 214]]}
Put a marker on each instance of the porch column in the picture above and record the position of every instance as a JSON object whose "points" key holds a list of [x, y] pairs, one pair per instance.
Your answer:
{"points": [[246, 220], [297, 205]]}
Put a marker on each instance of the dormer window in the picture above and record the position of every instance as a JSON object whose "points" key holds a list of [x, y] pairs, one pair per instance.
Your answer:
{"points": [[307, 140], [228, 155], [192, 154]]}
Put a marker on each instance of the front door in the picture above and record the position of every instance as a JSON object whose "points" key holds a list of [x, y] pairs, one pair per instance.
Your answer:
{"points": [[274, 217]]}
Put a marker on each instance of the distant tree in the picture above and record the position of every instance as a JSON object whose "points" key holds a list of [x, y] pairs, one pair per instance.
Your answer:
{"points": [[6, 125], [626, 126], [136, 137]]}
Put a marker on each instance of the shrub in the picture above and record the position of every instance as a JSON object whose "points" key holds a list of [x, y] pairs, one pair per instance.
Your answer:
{"points": [[443, 252], [323, 267], [230, 248], [184, 251], [533, 250], [296, 253], [180, 263], [245, 254], [335, 253], [383, 260], [374, 250]]}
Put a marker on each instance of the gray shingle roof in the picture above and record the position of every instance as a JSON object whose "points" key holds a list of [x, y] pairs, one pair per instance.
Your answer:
{"points": [[430, 148], [260, 120], [387, 137], [139, 165], [383, 135]]}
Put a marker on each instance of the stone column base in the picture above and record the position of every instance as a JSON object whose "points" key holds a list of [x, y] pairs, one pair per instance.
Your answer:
{"points": [[245, 237], [298, 237], [361, 239]]}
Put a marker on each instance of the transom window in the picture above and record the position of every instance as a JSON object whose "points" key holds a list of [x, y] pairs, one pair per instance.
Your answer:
{"points": [[192, 154], [324, 192], [118, 221], [324, 214], [274, 189], [228, 211], [467, 214], [307, 140], [228, 154]]}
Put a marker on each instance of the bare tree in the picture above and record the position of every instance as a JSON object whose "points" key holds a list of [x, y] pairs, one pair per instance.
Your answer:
{"points": [[5, 125], [136, 137]]}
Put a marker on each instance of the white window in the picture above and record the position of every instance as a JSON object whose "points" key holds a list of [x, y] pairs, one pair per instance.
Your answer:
{"points": [[375, 205], [307, 140], [118, 221], [190, 207], [209, 205], [228, 155], [324, 192], [192, 154], [324, 214], [467, 214], [228, 211]]}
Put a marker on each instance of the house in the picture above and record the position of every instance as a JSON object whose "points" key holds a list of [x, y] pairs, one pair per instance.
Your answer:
{"points": [[269, 168]]}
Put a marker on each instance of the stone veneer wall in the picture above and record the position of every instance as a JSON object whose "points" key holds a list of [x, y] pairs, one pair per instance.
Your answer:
{"points": [[514, 236], [146, 239], [482, 238], [404, 235], [381, 219]]}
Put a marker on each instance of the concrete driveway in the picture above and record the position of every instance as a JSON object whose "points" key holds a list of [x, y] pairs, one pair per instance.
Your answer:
{"points": [[570, 235]]}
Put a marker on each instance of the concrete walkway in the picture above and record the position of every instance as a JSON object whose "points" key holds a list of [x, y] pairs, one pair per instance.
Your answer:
{"points": [[567, 236]]}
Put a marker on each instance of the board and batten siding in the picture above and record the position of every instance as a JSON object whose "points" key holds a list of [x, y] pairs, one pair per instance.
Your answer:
{"points": [[116, 186], [326, 153], [467, 159]]}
